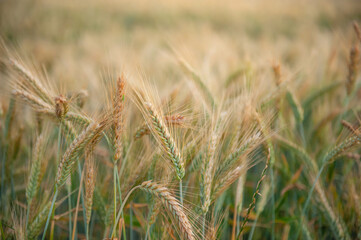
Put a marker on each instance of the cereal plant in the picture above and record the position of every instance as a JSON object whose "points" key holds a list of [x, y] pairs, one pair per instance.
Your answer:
{"points": [[180, 120]]}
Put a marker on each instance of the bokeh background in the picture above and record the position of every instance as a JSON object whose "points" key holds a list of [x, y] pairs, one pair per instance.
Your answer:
{"points": [[76, 41]]}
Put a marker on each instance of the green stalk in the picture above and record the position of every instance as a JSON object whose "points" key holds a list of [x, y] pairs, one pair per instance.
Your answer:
{"points": [[335, 151], [272, 203], [118, 183], [147, 232], [27, 216], [238, 220], [204, 226], [253, 228], [52, 226], [50, 213], [272, 160], [115, 197], [253, 203], [181, 191], [131, 222], [69, 207], [346, 104], [59, 156], [272, 190], [239, 203], [82, 201], [309, 198], [68, 187], [302, 133], [87, 232], [91, 227], [120, 201], [121, 208]]}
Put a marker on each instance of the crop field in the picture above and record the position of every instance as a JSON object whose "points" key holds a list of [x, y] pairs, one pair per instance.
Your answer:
{"points": [[180, 119]]}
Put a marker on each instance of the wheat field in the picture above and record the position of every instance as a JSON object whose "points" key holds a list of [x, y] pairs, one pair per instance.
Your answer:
{"points": [[180, 119]]}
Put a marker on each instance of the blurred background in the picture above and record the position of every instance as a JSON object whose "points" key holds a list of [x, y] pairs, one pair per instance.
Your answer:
{"points": [[76, 41]]}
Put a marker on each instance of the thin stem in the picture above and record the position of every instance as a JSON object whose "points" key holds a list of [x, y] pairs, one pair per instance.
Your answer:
{"points": [[91, 227], [273, 203], [80, 192], [52, 227], [59, 156], [253, 228], [302, 133], [82, 199], [309, 198], [131, 222], [253, 203], [86, 231], [238, 221], [50, 212], [235, 218], [147, 232], [118, 181], [69, 207], [115, 197], [27, 215], [204, 226], [181, 191], [149, 220], [122, 206], [120, 201]]}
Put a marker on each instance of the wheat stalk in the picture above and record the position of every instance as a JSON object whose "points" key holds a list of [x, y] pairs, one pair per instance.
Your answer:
{"points": [[253, 203], [35, 227], [207, 171], [352, 69], [118, 106], [34, 177], [32, 80], [232, 158], [162, 133], [172, 205], [66, 164], [141, 131], [171, 120], [312, 166], [89, 184], [70, 116], [118, 118], [222, 184], [156, 207], [31, 99]]}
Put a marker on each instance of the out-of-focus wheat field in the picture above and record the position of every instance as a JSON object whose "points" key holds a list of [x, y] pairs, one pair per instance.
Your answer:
{"points": [[180, 119]]}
